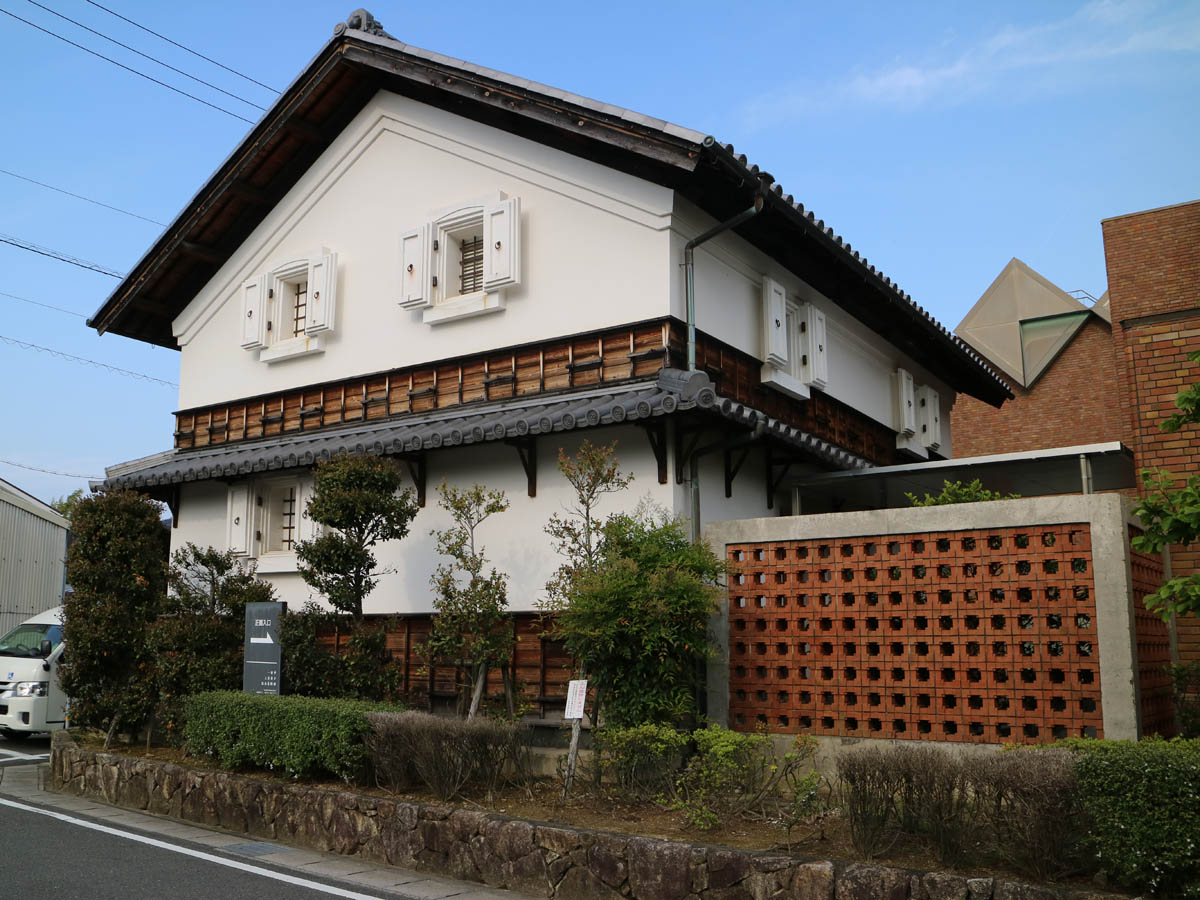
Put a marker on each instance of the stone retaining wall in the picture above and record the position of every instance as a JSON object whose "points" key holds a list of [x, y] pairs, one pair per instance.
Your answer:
{"points": [[531, 857]]}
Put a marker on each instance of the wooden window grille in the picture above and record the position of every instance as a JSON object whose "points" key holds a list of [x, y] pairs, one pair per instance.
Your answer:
{"points": [[300, 308], [471, 264], [287, 520]]}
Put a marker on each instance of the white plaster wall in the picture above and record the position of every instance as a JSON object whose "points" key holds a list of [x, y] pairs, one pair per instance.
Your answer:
{"points": [[594, 250], [728, 279], [514, 540]]}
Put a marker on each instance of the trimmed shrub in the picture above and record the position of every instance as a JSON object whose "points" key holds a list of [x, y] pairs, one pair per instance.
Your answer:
{"points": [[644, 760], [733, 773], [1144, 799], [1031, 811], [448, 756], [868, 784], [301, 737]]}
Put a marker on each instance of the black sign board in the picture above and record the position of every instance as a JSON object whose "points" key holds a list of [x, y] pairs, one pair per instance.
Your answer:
{"points": [[260, 669]]}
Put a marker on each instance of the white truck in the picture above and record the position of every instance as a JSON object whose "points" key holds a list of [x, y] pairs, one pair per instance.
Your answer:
{"points": [[31, 700]]}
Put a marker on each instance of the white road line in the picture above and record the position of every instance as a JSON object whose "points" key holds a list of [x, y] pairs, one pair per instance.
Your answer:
{"points": [[13, 754], [198, 854]]}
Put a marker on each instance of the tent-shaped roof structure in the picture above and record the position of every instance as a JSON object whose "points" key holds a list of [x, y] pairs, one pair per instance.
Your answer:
{"points": [[1023, 321]]}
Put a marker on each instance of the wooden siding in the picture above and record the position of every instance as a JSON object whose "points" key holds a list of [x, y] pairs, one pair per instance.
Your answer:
{"points": [[613, 357], [609, 357], [542, 667]]}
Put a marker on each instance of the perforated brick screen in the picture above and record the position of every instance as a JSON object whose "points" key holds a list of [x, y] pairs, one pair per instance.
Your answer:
{"points": [[985, 635], [1153, 647]]}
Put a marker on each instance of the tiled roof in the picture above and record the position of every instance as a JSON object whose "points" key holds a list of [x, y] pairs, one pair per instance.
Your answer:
{"points": [[674, 392]]}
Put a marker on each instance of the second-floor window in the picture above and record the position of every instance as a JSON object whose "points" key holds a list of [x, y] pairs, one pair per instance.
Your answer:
{"points": [[287, 309]]}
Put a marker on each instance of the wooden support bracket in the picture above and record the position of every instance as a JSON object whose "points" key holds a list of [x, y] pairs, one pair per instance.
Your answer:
{"points": [[527, 451], [417, 468], [173, 505], [686, 441], [776, 465], [657, 434], [733, 464]]}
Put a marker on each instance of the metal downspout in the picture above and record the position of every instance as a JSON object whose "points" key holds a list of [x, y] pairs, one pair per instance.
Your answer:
{"points": [[689, 268], [690, 293]]}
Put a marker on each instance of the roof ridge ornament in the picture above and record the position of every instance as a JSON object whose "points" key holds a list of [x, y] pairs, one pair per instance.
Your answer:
{"points": [[361, 20]]}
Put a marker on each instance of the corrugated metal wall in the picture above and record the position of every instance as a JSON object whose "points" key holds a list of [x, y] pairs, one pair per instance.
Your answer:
{"points": [[32, 554]]}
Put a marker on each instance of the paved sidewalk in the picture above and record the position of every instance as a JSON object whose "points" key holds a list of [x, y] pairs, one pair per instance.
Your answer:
{"points": [[26, 784]]}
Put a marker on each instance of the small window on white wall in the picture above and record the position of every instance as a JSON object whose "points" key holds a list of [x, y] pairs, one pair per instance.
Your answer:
{"points": [[459, 264], [268, 518], [286, 310], [794, 343]]}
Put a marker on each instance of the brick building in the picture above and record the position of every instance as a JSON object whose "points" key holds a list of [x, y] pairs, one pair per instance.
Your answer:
{"points": [[1054, 351], [1109, 372], [1153, 260]]}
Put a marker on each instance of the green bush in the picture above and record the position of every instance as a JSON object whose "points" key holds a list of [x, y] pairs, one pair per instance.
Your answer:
{"points": [[733, 773], [1185, 680], [301, 737], [1145, 801], [363, 670], [643, 760], [450, 756]]}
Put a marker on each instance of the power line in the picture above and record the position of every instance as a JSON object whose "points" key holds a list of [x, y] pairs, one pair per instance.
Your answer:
{"points": [[69, 312], [182, 47], [88, 362], [9, 462], [125, 67], [81, 197], [147, 56], [60, 256]]}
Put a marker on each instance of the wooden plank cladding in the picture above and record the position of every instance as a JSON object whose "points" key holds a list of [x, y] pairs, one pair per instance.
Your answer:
{"points": [[609, 357], [584, 361], [541, 666]]}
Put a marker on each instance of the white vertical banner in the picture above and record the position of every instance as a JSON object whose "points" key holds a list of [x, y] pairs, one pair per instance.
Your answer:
{"points": [[576, 695]]}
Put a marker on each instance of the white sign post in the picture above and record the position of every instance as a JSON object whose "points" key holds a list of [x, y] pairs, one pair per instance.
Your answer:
{"points": [[576, 697]]}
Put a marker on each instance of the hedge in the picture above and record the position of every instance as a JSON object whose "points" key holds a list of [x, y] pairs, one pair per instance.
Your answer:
{"points": [[301, 737], [1144, 799]]}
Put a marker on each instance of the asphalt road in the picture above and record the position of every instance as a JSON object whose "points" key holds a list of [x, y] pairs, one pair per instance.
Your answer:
{"points": [[63, 855], [22, 753]]}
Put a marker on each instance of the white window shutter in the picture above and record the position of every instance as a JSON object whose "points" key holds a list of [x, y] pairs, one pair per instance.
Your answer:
{"points": [[906, 407], [814, 343], [239, 518], [322, 294], [415, 269], [774, 313], [308, 529], [929, 417], [254, 313], [502, 244]]}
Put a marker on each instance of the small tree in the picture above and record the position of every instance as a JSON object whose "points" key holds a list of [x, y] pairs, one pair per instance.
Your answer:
{"points": [[213, 582], [592, 472], [360, 499], [65, 506], [638, 621], [959, 492], [1170, 513], [196, 644], [117, 566], [470, 605]]}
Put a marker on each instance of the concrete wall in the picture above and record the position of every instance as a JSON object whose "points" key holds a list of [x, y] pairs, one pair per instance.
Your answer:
{"points": [[1102, 523]]}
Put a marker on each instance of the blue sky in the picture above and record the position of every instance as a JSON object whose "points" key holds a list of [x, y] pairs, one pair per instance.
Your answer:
{"points": [[940, 138]]}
